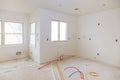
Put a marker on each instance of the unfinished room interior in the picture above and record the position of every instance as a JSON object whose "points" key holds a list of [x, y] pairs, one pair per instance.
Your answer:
{"points": [[59, 39]]}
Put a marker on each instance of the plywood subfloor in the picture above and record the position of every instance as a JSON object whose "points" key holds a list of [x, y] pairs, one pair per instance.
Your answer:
{"points": [[27, 70], [24, 70], [91, 70]]}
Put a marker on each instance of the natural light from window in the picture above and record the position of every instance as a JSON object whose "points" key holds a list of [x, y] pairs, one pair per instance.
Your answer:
{"points": [[63, 31], [13, 33], [54, 31], [58, 31], [32, 35]]}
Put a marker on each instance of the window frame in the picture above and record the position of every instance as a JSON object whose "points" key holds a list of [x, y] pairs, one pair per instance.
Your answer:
{"points": [[34, 34], [59, 21], [3, 33], [66, 31]]}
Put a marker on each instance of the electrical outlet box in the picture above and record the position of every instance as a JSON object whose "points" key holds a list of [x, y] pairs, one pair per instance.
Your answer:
{"points": [[18, 53], [98, 54]]}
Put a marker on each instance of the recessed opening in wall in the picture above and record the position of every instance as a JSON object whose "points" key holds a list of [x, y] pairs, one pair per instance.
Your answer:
{"points": [[18, 53]]}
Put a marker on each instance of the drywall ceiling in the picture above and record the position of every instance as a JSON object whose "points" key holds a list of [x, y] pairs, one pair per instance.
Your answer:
{"points": [[65, 6]]}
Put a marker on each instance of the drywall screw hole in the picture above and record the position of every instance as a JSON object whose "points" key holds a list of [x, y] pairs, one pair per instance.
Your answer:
{"points": [[98, 24], [78, 38], [116, 40], [89, 38], [98, 54], [68, 38], [47, 39]]}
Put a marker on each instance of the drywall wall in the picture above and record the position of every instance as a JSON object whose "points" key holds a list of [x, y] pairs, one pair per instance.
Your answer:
{"points": [[34, 50], [8, 52], [50, 50], [99, 36]]}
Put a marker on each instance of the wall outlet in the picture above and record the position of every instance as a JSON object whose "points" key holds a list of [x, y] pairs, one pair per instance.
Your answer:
{"points": [[18, 53]]}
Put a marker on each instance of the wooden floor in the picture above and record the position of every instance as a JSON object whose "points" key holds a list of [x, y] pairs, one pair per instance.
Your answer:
{"points": [[28, 70]]}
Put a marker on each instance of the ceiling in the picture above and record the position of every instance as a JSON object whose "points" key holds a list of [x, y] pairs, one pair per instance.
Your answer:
{"points": [[65, 6]]}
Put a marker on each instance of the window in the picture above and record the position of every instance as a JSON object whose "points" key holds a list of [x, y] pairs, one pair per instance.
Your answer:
{"points": [[54, 31], [63, 29], [32, 34], [58, 31], [13, 33]]}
